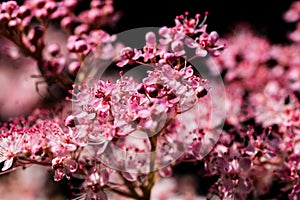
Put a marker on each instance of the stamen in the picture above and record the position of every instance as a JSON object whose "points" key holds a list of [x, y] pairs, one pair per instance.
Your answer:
{"points": [[186, 14], [180, 18], [203, 21], [197, 17]]}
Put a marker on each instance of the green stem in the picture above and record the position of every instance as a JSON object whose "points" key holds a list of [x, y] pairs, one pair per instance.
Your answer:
{"points": [[147, 189], [130, 187], [153, 141], [146, 64]]}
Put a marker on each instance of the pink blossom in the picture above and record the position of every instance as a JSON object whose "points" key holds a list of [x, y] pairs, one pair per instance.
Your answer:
{"points": [[128, 54], [10, 147]]}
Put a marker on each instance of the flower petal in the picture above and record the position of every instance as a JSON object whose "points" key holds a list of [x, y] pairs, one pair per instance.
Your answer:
{"points": [[122, 63], [7, 164], [151, 39], [191, 43], [201, 52], [104, 177]]}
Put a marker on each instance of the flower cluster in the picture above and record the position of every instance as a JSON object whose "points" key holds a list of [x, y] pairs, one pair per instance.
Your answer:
{"points": [[27, 26], [171, 44], [153, 121], [121, 137], [257, 154]]}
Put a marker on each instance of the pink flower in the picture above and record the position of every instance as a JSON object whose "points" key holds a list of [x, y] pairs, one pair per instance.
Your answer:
{"points": [[127, 55], [190, 26], [10, 147], [293, 13], [150, 47], [95, 182], [63, 166], [206, 43]]}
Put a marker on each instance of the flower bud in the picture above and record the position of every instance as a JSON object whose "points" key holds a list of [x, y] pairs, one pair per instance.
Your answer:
{"points": [[41, 14], [152, 91], [59, 12], [74, 67], [4, 18], [201, 92], [96, 4], [39, 3], [14, 23], [50, 7], [71, 46], [71, 165], [54, 49], [80, 46], [214, 36], [24, 11], [94, 14], [108, 9], [70, 121], [71, 42], [70, 4], [9, 6], [151, 39], [141, 89], [127, 53], [66, 23], [81, 29]]}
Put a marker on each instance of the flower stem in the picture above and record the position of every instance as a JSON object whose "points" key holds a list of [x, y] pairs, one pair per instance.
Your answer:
{"points": [[130, 186], [153, 142], [147, 189]]}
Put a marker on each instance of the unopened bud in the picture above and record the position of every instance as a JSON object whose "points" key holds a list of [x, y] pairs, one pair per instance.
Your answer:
{"points": [[152, 91], [214, 36], [24, 11], [66, 23], [70, 4], [9, 6], [74, 67], [96, 4], [82, 28], [14, 23], [70, 121], [80, 46], [41, 14], [4, 18], [54, 49], [141, 89], [50, 7], [40, 3], [127, 53], [201, 92]]}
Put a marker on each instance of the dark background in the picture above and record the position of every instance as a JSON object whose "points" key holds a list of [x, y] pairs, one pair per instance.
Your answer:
{"points": [[265, 16]]}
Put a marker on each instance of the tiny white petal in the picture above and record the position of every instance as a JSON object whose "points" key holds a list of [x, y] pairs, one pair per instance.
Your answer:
{"points": [[201, 52], [7, 164]]}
